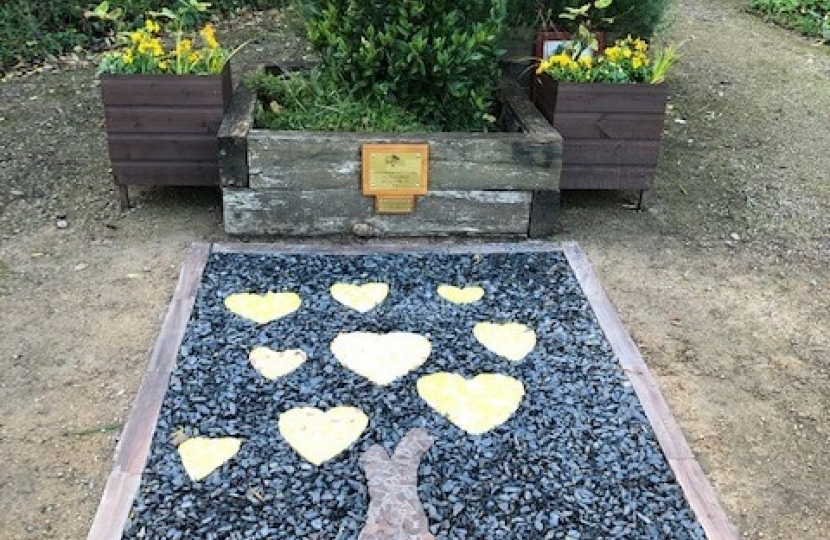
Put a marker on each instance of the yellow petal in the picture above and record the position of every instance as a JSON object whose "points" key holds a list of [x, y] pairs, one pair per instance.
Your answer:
{"points": [[202, 455], [457, 295], [265, 308], [475, 405], [273, 364], [381, 358], [513, 341], [362, 298], [318, 435]]}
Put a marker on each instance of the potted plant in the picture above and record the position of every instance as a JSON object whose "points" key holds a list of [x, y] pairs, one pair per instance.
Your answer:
{"points": [[164, 90], [609, 107]]}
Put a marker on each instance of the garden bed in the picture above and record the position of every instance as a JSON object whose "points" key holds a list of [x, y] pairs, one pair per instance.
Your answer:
{"points": [[308, 183], [580, 457]]}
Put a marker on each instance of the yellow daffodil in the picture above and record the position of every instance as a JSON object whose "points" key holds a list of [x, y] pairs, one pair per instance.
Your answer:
{"points": [[183, 47], [209, 35], [152, 26]]}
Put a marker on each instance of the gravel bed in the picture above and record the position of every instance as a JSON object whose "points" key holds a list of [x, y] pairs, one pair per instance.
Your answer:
{"points": [[578, 460]]}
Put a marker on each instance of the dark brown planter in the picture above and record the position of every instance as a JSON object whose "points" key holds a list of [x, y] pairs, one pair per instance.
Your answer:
{"points": [[611, 132], [543, 36], [161, 129]]}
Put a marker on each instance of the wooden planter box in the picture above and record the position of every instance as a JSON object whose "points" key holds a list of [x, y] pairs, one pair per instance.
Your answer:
{"points": [[611, 132], [161, 129], [296, 183]]}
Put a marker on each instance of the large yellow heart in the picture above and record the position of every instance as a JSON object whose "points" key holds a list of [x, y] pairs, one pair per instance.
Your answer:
{"points": [[362, 298], [475, 405], [381, 358], [513, 341], [319, 435], [263, 308], [457, 295], [202, 455], [273, 364]]}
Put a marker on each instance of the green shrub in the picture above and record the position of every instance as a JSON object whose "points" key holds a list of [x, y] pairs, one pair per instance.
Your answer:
{"points": [[303, 100], [636, 17], [438, 59], [810, 17]]}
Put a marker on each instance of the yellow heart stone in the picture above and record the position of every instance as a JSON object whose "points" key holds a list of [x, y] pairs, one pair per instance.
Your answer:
{"points": [[202, 455], [319, 435], [475, 405], [273, 364], [381, 358], [457, 295], [263, 308], [513, 341], [362, 298]]}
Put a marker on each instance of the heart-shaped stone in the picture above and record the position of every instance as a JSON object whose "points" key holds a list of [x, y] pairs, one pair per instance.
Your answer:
{"points": [[273, 364], [381, 358], [475, 405], [362, 298], [319, 435], [513, 341], [202, 455], [457, 295], [263, 308]]}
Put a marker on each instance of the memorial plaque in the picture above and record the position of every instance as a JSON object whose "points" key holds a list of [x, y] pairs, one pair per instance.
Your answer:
{"points": [[395, 169], [394, 205]]}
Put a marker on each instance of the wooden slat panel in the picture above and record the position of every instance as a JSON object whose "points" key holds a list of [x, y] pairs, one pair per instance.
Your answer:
{"points": [[129, 119], [279, 159], [177, 147], [598, 125], [190, 90], [166, 173], [621, 98], [610, 153], [600, 177], [337, 211]]}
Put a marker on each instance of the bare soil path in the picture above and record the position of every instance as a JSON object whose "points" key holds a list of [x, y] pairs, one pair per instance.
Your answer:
{"points": [[724, 282]]}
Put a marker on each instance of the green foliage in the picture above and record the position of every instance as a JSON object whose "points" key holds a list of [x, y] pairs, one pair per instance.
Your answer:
{"points": [[305, 101], [31, 31], [635, 17], [438, 59], [810, 17]]}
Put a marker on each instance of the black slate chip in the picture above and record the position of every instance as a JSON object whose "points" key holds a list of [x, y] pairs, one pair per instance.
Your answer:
{"points": [[578, 460]]}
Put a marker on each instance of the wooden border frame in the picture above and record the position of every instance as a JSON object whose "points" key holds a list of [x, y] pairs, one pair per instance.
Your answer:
{"points": [[387, 148], [133, 448]]}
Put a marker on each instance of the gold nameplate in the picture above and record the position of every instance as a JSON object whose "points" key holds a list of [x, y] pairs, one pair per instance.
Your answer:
{"points": [[394, 205], [395, 169]]}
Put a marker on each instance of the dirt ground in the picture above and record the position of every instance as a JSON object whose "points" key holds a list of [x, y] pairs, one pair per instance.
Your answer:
{"points": [[723, 282]]}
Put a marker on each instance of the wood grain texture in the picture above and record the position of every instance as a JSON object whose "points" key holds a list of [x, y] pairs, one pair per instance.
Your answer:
{"points": [[607, 177], [134, 444], [340, 211], [173, 147], [166, 90], [233, 138], [696, 487], [166, 173]]}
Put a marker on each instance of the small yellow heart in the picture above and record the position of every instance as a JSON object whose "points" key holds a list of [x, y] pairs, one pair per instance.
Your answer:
{"points": [[362, 298], [475, 405], [273, 364], [319, 435], [513, 341], [381, 358], [202, 455], [263, 308], [457, 295]]}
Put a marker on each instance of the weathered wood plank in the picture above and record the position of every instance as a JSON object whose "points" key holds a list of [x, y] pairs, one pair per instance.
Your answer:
{"points": [[606, 177], [173, 90], [381, 245], [155, 119], [544, 214], [339, 211], [703, 500], [282, 159], [233, 138], [176, 147], [600, 125], [114, 509], [166, 173]]}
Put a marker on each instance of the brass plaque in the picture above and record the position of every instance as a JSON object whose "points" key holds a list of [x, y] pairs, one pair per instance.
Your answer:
{"points": [[394, 205], [395, 169]]}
